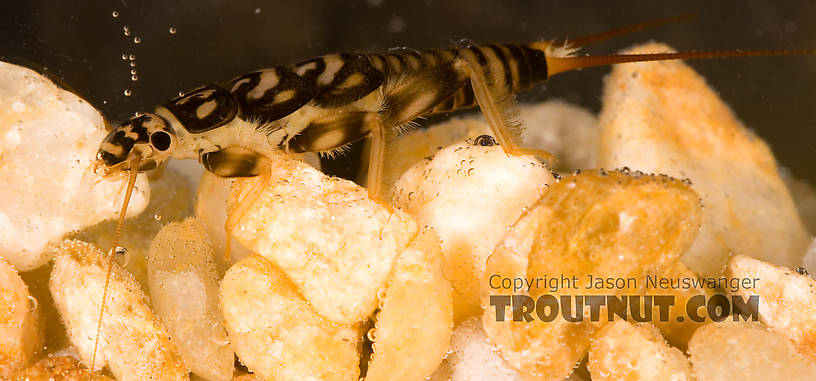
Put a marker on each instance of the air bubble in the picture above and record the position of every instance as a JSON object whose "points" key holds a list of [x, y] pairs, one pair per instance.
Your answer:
{"points": [[133, 72], [172, 30], [381, 294], [122, 255], [133, 64], [137, 40], [485, 141], [219, 335], [471, 171], [32, 303], [128, 92], [802, 271], [134, 78], [115, 14], [464, 43], [132, 57], [403, 49], [124, 57], [372, 334]]}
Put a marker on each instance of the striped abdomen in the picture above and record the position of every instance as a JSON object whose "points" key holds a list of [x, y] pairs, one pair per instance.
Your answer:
{"points": [[435, 81], [411, 84]]}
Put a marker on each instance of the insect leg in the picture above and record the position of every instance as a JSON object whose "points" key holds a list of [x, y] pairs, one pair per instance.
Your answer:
{"points": [[243, 205], [495, 102], [332, 133], [376, 157], [236, 161]]}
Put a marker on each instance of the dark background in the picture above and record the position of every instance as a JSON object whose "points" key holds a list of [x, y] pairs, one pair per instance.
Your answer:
{"points": [[80, 44]]}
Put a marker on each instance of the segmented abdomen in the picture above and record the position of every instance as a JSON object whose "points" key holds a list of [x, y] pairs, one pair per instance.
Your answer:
{"points": [[413, 84], [514, 67], [423, 83]]}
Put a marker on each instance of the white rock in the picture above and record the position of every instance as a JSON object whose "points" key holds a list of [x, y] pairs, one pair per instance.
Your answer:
{"points": [[745, 351], [20, 331], [472, 358], [469, 194], [277, 334], [635, 352], [48, 141], [132, 342], [414, 324], [804, 196], [333, 241], [567, 131], [662, 117], [184, 291], [787, 300]]}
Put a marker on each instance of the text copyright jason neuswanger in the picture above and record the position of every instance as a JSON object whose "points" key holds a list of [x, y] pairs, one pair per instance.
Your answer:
{"points": [[624, 298]]}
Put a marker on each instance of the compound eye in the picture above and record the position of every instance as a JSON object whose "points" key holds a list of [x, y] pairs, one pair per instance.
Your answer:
{"points": [[160, 140]]}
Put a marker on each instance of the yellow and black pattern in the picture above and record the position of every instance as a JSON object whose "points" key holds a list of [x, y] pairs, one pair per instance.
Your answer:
{"points": [[326, 103], [271, 94], [437, 81], [203, 109], [234, 162], [408, 85], [148, 130], [514, 67], [340, 79], [413, 84], [332, 132]]}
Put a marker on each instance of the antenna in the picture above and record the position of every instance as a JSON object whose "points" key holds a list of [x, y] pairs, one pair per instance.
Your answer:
{"points": [[132, 173]]}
